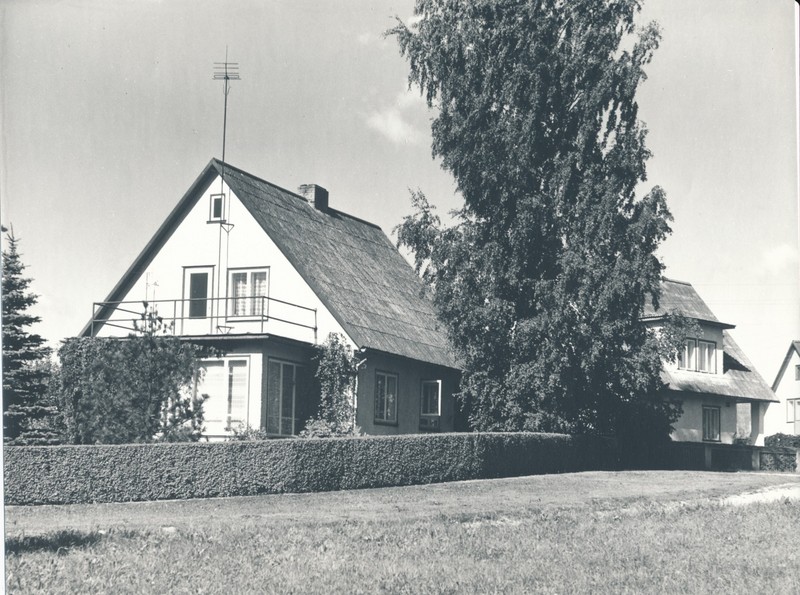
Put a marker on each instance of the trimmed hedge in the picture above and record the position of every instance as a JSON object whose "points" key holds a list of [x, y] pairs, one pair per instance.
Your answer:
{"points": [[778, 459], [131, 472], [783, 440]]}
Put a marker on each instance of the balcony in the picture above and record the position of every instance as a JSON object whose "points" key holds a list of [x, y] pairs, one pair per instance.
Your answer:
{"points": [[208, 316]]}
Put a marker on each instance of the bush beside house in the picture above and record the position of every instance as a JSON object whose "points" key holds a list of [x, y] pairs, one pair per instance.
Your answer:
{"points": [[113, 473]]}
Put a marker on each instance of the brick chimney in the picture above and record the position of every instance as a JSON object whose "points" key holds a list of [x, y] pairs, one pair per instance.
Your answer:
{"points": [[316, 196]]}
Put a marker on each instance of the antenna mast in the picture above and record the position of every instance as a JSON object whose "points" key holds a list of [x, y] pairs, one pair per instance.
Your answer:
{"points": [[226, 72]]}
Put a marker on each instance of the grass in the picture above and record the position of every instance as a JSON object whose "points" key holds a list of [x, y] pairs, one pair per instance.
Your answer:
{"points": [[602, 532]]}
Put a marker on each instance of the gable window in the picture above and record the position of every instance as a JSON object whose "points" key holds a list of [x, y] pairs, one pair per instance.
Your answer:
{"points": [[386, 398], [247, 292], [431, 397], [711, 429], [797, 372], [216, 209], [688, 357]]}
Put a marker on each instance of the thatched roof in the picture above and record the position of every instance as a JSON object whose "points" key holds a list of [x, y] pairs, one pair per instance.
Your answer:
{"points": [[353, 268], [681, 297], [739, 378]]}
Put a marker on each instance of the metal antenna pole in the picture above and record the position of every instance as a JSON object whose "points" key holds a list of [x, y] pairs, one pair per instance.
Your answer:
{"points": [[226, 72]]}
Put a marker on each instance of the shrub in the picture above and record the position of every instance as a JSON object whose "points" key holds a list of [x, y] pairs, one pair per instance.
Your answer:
{"points": [[136, 389], [778, 459], [337, 368], [783, 440], [244, 433], [112, 473]]}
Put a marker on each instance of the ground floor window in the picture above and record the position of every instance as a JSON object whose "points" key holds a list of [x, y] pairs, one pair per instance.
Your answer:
{"points": [[431, 397], [386, 397], [226, 381], [283, 412], [711, 428]]}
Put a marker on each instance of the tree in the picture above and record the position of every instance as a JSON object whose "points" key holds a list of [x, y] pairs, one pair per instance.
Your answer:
{"points": [[133, 389], [25, 373], [336, 373], [543, 276]]}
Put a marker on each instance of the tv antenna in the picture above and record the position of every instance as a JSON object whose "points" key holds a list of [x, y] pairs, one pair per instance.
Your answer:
{"points": [[226, 72]]}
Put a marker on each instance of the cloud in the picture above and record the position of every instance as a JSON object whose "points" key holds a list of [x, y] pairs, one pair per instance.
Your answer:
{"points": [[781, 258], [392, 122]]}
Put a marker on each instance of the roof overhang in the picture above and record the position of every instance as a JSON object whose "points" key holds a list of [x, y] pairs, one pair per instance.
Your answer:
{"points": [[677, 393], [714, 323]]}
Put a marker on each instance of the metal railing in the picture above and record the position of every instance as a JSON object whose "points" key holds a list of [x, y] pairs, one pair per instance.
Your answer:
{"points": [[205, 316]]}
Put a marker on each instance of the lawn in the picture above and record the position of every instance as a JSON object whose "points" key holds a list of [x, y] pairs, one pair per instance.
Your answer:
{"points": [[584, 532]]}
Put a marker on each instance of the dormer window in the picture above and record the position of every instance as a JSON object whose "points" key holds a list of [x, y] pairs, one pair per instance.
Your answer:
{"points": [[216, 208], [698, 356]]}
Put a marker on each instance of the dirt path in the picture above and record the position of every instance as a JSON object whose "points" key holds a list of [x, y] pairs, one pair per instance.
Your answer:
{"points": [[771, 494]]}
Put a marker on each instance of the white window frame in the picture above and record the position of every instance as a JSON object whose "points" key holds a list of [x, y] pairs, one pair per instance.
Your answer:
{"points": [[228, 362], [386, 420], [709, 349], [712, 411], [296, 371], [255, 306], [212, 199], [438, 385], [791, 410], [685, 361]]}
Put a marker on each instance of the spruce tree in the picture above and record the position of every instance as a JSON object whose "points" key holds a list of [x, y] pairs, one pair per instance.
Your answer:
{"points": [[543, 277], [26, 405]]}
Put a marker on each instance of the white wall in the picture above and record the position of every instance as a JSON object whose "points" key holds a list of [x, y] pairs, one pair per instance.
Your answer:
{"points": [[689, 427], [196, 242], [776, 420]]}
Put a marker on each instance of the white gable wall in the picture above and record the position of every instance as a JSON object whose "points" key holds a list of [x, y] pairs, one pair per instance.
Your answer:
{"points": [[778, 418], [198, 243]]}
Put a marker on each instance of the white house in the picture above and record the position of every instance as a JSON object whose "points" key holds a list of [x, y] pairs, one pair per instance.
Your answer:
{"points": [[712, 375], [785, 417], [265, 274]]}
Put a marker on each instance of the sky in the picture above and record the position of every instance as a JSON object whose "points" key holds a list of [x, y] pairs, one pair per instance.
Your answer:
{"points": [[108, 112]]}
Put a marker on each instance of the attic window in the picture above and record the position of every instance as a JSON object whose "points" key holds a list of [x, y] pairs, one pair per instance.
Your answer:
{"points": [[797, 372], [216, 211]]}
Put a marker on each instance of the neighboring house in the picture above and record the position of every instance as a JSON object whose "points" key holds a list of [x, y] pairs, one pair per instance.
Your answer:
{"points": [[265, 274], [712, 375], [785, 418]]}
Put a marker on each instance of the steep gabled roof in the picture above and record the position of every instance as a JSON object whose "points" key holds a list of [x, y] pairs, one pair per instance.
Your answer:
{"points": [[350, 264], [352, 267], [739, 378], [794, 347], [681, 297]]}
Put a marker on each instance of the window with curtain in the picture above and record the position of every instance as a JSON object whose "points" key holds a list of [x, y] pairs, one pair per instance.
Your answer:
{"points": [[248, 292]]}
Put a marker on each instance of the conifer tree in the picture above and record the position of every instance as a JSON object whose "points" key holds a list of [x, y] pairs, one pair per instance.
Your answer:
{"points": [[26, 405], [544, 275]]}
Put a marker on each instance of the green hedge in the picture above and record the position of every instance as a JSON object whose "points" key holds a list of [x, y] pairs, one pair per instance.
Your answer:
{"points": [[783, 440], [117, 473]]}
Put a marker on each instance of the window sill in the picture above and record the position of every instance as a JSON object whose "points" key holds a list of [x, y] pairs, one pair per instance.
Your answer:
{"points": [[381, 422]]}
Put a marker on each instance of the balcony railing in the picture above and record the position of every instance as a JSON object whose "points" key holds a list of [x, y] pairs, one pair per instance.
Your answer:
{"points": [[208, 316]]}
